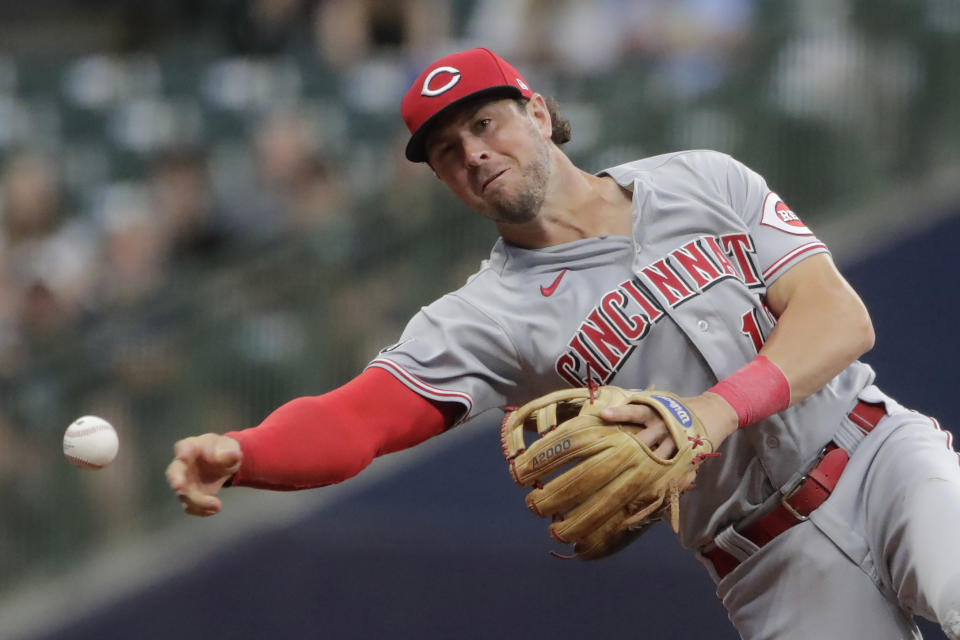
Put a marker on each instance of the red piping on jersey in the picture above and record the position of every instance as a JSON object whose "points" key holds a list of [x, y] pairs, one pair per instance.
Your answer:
{"points": [[779, 264], [443, 395], [949, 434]]}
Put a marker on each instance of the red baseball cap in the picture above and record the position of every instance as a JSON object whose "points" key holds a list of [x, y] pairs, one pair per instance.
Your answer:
{"points": [[451, 80]]}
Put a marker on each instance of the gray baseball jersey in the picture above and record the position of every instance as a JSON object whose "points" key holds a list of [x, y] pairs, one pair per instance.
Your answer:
{"points": [[679, 305]]}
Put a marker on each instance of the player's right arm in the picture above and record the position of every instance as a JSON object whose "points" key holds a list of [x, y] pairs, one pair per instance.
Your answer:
{"points": [[308, 442], [453, 360]]}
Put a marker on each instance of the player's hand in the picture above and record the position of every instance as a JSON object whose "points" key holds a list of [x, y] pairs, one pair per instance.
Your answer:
{"points": [[649, 427], [201, 465], [718, 418]]}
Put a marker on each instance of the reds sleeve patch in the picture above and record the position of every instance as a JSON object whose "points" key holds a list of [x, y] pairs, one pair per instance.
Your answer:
{"points": [[778, 215]]}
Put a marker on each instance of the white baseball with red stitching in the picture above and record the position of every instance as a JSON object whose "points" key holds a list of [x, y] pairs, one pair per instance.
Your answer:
{"points": [[90, 443]]}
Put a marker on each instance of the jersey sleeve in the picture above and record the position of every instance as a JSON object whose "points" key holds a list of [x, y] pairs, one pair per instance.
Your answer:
{"points": [[780, 239], [451, 351]]}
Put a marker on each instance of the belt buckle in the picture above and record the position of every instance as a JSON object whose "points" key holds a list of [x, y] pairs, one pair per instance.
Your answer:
{"points": [[784, 501]]}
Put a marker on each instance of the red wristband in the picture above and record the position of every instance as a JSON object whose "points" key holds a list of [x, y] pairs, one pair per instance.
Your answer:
{"points": [[756, 390]]}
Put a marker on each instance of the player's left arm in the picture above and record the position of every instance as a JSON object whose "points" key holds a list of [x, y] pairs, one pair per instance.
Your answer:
{"points": [[822, 325]]}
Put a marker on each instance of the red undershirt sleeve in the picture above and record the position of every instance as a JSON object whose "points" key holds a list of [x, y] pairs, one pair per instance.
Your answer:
{"points": [[320, 440]]}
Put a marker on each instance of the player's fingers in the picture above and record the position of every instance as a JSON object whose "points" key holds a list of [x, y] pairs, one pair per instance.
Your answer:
{"points": [[633, 413], [666, 449], [206, 455], [215, 454], [650, 436], [176, 474], [212, 507], [227, 453], [198, 500], [202, 447], [185, 449], [195, 510]]}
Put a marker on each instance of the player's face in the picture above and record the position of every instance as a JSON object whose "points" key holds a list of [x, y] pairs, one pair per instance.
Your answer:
{"points": [[495, 157]]}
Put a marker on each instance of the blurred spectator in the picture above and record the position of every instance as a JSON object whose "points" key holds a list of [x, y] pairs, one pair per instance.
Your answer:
{"points": [[692, 42], [830, 72], [136, 245], [265, 27], [691, 36], [49, 258], [286, 157], [184, 202], [41, 314], [687, 26], [350, 31], [320, 201], [283, 143], [29, 199], [571, 35], [58, 277], [100, 81], [409, 200], [243, 85], [508, 27]]}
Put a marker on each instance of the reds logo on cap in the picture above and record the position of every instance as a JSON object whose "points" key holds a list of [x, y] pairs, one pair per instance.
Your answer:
{"points": [[454, 79], [448, 81]]}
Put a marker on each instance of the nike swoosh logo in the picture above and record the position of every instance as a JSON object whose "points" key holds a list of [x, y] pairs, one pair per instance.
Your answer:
{"points": [[548, 291]]}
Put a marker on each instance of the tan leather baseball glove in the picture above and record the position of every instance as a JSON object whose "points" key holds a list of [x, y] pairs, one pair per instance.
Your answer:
{"points": [[600, 483]]}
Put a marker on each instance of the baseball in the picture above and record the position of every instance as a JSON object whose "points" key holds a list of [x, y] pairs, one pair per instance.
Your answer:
{"points": [[90, 443]]}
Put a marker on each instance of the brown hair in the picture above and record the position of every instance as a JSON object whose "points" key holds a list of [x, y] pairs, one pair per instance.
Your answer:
{"points": [[561, 126]]}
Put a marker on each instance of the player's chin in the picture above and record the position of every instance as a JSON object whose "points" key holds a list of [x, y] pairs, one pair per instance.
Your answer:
{"points": [[513, 215]]}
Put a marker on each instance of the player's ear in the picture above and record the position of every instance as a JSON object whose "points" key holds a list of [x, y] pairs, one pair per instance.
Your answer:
{"points": [[540, 114]]}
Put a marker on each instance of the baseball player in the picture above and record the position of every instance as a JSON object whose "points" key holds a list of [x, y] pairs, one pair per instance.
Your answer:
{"points": [[833, 511]]}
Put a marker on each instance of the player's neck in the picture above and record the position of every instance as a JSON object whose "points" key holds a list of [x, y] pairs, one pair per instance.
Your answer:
{"points": [[578, 205]]}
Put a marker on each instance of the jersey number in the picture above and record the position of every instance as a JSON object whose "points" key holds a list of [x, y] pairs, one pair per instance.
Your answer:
{"points": [[750, 327]]}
